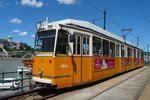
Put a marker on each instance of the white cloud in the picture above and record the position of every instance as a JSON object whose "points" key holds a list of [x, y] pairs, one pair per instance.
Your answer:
{"points": [[20, 33], [16, 31], [67, 2], [33, 35], [15, 20], [32, 3]]}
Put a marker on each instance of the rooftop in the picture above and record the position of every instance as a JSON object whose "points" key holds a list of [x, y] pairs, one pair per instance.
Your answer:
{"points": [[90, 26]]}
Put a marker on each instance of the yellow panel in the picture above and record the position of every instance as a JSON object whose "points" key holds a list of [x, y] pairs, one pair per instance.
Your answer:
{"points": [[74, 70]]}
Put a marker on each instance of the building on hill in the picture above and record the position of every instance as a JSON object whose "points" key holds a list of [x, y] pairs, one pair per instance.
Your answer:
{"points": [[21, 45], [8, 44], [8, 48], [4, 43]]}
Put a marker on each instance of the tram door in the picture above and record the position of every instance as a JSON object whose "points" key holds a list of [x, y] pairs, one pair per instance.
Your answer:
{"points": [[81, 59]]}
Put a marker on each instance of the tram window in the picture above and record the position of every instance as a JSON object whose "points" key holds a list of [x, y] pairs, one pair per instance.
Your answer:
{"points": [[122, 51], [62, 43], [134, 53], [46, 46], [142, 54], [105, 48], [129, 52], [85, 46], [117, 50], [74, 44], [138, 54], [78, 45], [97, 46], [112, 49], [44, 41]]}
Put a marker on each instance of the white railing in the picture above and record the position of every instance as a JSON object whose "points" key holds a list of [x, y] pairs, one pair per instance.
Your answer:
{"points": [[4, 54]]}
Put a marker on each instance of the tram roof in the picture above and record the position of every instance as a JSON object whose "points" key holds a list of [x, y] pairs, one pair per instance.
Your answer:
{"points": [[91, 26]]}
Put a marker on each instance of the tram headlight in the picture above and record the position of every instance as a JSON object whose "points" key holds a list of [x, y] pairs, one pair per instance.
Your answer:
{"points": [[40, 72]]}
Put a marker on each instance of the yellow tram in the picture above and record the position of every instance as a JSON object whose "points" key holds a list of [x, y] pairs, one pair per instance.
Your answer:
{"points": [[73, 52]]}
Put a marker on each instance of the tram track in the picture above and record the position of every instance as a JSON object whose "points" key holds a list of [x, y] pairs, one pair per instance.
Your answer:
{"points": [[38, 94], [21, 96]]}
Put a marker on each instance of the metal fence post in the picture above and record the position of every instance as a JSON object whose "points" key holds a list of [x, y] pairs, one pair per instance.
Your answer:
{"points": [[3, 76], [30, 83], [22, 80]]}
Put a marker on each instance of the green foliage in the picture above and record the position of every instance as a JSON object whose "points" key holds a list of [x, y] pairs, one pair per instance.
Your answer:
{"points": [[18, 56], [29, 48]]}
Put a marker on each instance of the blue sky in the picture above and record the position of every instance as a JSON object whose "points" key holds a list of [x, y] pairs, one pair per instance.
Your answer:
{"points": [[18, 17]]}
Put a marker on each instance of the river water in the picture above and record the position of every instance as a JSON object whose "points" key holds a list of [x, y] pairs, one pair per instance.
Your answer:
{"points": [[10, 65]]}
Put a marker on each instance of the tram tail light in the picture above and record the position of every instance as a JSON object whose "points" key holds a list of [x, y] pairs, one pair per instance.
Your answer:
{"points": [[50, 61]]}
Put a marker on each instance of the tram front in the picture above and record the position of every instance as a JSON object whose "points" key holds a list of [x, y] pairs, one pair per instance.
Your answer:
{"points": [[50, 43]]}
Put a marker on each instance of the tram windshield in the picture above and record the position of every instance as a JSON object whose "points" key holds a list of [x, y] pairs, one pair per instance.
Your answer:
{"points": [[45, 40]]}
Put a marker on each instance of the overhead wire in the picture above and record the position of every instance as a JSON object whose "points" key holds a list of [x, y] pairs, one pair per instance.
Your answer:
{"points": [[142, 11], [91, 4], [114, 22], [110, 19]]}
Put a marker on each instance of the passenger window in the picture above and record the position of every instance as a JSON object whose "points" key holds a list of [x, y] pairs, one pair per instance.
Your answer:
{"points": [[97, 50], [105, 48], [78, 44], [138, 54], [85, 46], [74, 44], [62, 43], [129, 52], [117, 50], [142, 54], [134, 53], [112, 49], [122, 51]]}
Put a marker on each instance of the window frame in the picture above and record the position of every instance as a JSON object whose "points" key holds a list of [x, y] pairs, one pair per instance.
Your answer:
{"points": [[114, 49], [81, 35], [98, 38], [67, 44], [107, 48], [117, 49], [123, 51]]}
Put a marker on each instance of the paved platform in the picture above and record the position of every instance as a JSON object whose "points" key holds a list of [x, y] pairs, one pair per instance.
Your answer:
{"points": [[126, 90], [145, 95]]}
